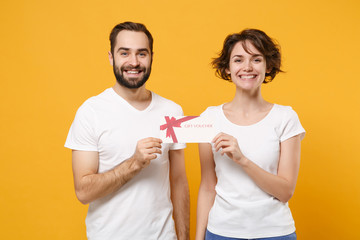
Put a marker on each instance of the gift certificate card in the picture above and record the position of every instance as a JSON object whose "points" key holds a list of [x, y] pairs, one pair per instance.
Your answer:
{"points": [[187, 129]]}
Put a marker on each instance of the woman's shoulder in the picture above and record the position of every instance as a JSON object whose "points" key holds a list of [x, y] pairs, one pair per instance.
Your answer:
{"points": [[289, 122], [285, 114], [284, 110], [212, 110]]}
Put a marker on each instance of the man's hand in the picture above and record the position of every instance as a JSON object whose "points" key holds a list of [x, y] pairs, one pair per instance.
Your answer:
{"points": [[146, 150]]}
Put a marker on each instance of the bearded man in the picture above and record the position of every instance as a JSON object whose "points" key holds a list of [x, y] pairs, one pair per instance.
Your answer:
{"points": [[135, 185]]}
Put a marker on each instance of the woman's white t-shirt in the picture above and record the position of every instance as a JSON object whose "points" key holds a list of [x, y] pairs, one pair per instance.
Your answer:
{"points": [[241, 209]]}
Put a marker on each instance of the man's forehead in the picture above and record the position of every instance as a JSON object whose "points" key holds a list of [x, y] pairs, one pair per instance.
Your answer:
{"points": [[132, 40]]}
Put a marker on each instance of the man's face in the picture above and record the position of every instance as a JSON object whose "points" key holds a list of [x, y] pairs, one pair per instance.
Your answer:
{"points": [[131, 59]]}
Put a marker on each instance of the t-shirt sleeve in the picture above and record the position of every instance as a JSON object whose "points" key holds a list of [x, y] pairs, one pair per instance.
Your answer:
{"points": [[177, 146], [291, 126], [205, 113], [82, 134]]}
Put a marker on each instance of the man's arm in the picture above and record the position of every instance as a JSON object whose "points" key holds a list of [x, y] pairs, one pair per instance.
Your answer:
{"points": [[179, 193], [91, 185]]}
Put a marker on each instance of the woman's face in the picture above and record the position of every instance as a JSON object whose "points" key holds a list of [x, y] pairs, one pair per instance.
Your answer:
{"points": [[247, 70]]}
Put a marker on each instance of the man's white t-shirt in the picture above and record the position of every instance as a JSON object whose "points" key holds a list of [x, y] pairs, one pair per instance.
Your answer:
{"points": [[241, 209], [142, 208]]}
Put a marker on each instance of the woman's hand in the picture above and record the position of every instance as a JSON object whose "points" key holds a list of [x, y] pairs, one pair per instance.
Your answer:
{"points": [[280, 185], [229, 146]]}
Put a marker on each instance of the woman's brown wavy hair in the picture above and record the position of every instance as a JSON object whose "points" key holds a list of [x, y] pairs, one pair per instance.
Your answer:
{"points": [[262, 42]]}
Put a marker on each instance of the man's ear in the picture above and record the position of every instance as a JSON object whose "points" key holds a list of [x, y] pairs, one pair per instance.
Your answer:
{"points": [[111, 59]]}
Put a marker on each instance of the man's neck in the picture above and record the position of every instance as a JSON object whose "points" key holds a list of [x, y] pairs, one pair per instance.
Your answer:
{"points": [[139, 98]]}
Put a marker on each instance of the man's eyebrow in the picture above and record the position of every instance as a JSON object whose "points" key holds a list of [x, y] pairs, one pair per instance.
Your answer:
{"points": [[143, 50], [122, 49], [138, 50]]}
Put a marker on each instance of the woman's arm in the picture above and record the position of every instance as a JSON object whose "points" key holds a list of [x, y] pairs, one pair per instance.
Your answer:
{"points": [[282, 185], [207, 192]]}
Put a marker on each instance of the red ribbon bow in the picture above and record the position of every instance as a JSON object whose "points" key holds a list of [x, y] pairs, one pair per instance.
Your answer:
{"points": [[172, 122]]}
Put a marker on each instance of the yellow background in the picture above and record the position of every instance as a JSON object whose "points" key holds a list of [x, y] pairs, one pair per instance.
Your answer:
{"points": [[53, 56]]}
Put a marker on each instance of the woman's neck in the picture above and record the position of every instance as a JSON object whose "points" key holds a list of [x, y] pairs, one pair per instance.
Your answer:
{"points": [[246, 109], [248, 102]]}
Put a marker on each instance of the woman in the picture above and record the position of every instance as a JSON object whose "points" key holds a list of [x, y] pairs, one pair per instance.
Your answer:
{"points": [[249, 171]]}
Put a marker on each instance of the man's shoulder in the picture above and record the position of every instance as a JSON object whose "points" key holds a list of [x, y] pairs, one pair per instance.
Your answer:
{"points": [[93, 104], [165, 102], [102, 97]]}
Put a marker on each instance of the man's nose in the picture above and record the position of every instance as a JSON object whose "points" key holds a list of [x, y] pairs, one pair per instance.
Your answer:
{"points": [[134, 61]]}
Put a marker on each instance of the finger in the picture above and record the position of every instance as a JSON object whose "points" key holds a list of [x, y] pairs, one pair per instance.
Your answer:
{"points": [[150, 145], [222, 144], [216, 144], [151, 139], [150, 151], [217, 137], [227, 149], [221, 135], [153, 155], [221, 138], [153, 150], [217, 140]]}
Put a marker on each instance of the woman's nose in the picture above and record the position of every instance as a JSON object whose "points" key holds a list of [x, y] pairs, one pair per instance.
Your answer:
{"points": [[248, 66]]}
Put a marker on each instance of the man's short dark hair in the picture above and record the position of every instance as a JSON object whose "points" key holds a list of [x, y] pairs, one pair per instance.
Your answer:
{"points": [[130, 26], [262, 42]]}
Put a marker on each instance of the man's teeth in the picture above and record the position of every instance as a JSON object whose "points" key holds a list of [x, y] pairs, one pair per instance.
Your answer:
{"points": [[133, 72], [248, 76]]}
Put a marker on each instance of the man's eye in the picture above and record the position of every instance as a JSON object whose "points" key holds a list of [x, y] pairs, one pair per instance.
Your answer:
{"points": [[123, 54], [142, 54]]}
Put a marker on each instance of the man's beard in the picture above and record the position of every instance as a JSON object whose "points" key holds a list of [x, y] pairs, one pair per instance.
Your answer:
{"points": [[131, 82]]}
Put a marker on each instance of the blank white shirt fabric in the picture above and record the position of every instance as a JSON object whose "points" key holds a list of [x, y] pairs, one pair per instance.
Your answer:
{"points": [[142, 208], [241, 209]]}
